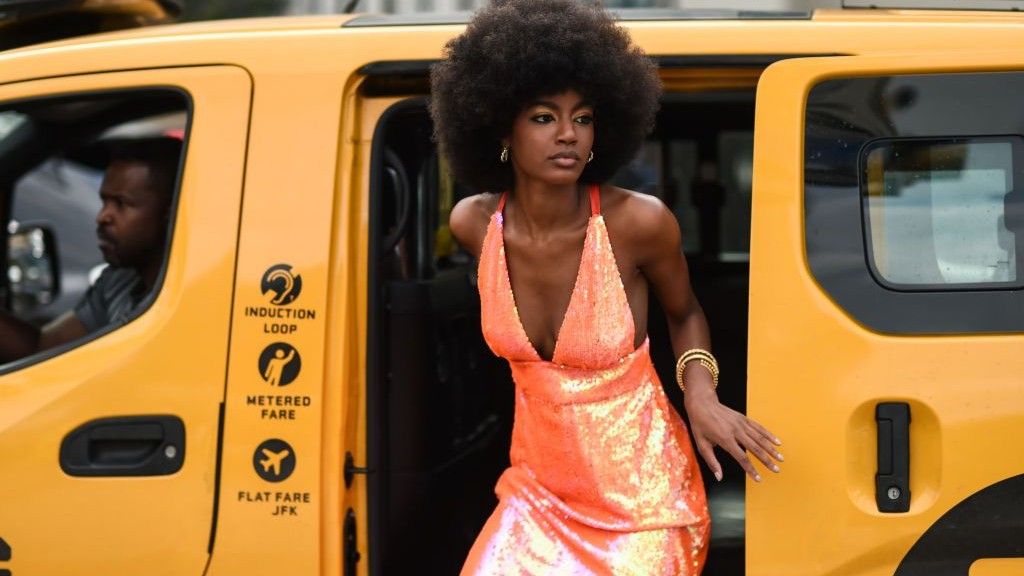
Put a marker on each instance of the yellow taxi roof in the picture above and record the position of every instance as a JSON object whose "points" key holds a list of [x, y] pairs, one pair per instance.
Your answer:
{"points": [[323, 22]]}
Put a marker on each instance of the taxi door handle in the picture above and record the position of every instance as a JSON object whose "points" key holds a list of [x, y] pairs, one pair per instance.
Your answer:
{"points": [[125, 446], [892, 481]]}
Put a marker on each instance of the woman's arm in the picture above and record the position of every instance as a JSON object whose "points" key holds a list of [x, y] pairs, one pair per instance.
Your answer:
{"points": [[661, 261]]}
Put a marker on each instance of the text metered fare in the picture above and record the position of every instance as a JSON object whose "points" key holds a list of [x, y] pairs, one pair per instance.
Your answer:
{"points": [[277, 400], [277, 407]]}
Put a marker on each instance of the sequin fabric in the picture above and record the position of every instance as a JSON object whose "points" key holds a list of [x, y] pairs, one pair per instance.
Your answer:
{"points": [[602, 478]]}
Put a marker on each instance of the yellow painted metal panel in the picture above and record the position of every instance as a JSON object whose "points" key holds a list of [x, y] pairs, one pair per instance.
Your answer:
{"points": [[364, 122], [815, 374], [998, 567], [275, 522], [324, 44], [170, 360]]}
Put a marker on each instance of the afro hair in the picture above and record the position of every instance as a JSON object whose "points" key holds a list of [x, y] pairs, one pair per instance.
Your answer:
{"points": [[515, 51]]}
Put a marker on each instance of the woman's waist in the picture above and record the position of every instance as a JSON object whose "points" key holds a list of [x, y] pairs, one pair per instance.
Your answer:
{"points": [[553, 383], [625, 444], [623, 455]]}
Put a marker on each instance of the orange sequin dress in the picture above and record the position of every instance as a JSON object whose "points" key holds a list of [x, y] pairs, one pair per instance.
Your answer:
{"points": [[603, 479]]}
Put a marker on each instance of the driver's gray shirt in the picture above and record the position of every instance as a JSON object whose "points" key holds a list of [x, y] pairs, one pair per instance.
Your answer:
{"points": [[113, 299]]}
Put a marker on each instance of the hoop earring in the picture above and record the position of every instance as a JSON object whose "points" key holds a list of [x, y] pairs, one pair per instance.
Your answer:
{"points": [[504, 154], [591, 157]]}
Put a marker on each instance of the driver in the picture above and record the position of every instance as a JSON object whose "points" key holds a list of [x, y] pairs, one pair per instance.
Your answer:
{"points": [[131, 226]]}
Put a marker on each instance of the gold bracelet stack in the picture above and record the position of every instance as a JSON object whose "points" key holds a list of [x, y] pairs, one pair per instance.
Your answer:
{"points": [[704, 358]]}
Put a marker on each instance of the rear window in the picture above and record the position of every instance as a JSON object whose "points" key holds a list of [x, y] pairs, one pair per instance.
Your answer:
{"points": [[939, 212]]}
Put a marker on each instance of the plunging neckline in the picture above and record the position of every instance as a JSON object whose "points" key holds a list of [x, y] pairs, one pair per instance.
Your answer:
{"points": [[512, 293]]}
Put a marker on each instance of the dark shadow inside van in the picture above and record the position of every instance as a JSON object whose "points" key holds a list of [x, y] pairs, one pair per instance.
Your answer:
{"points": [[440, 403]]}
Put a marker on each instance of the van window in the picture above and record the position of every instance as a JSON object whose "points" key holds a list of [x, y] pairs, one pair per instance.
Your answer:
{"points": [[73, 171], [39, 293], [706, 182], [935, 212], [911, 200], [665, 168], [709, 194], [736, 153]]}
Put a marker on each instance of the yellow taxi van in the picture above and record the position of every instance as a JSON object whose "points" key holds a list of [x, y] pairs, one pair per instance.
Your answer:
{"points": [[306, 390]]}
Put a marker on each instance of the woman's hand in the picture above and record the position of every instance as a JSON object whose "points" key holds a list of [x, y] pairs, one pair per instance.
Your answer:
{"points": [[714, 424]]}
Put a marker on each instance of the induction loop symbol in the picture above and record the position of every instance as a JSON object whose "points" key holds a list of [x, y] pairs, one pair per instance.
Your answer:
{"points": [[289, 283], [279, 280]]}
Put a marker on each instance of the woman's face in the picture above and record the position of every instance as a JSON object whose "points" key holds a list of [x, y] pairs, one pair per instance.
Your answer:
{"points": [[551, 139]]}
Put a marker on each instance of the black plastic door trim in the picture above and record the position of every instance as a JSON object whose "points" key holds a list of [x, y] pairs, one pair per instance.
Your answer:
{"points": [[892, 482], [125, 446]]}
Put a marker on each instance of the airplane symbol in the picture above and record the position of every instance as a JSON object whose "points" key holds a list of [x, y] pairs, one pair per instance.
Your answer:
{"points": [[273, 460]]}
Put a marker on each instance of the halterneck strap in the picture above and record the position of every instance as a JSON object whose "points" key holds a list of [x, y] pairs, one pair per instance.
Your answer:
{"points": [[595, 199], [501, 202]]}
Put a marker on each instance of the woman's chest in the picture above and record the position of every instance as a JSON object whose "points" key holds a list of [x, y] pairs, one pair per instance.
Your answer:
{"points": [[546, 277]]}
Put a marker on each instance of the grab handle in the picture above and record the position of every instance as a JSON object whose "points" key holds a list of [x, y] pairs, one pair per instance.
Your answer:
{"points": [[892, 481]]}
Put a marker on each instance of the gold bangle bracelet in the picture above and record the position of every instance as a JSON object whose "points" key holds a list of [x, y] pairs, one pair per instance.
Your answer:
{"points": [[704, 358]]}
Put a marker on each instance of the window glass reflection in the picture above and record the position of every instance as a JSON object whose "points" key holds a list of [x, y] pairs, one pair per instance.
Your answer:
{"points": [[936, 212]]}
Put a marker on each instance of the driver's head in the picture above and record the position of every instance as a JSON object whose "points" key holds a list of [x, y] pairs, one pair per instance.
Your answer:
{"points": [[136, 197]]}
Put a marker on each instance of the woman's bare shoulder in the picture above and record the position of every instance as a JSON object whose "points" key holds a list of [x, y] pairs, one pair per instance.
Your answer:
{"points": [[642, 215], [469, 218], [640, 225]]}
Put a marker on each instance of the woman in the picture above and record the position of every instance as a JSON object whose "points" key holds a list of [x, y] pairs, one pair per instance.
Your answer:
{"points": [[541, 101]]}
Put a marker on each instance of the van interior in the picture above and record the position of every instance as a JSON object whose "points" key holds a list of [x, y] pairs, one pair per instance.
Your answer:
{"points": [[440, 403]]}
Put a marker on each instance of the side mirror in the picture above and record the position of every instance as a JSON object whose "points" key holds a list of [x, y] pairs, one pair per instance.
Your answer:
{"points": [[33, 273]]}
